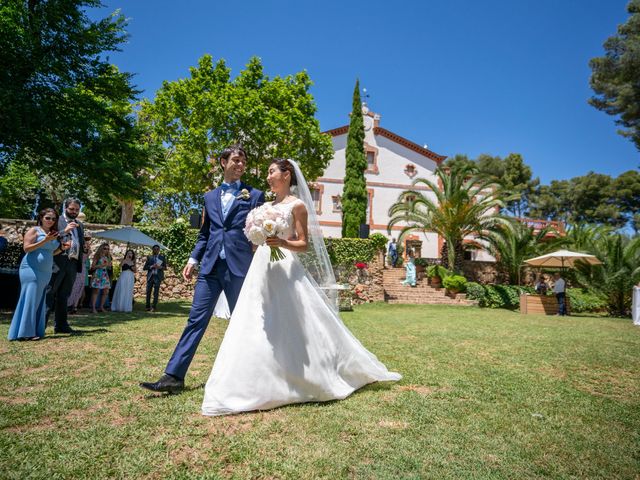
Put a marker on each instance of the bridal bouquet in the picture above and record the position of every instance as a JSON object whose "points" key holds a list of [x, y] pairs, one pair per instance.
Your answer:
{"points": [[264, 222]]}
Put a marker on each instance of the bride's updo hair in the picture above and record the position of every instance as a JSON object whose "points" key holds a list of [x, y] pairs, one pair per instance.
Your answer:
{"points": [[285, 166]]}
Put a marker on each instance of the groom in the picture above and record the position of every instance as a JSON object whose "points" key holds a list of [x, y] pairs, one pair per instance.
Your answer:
{"points": [[224, 254]]}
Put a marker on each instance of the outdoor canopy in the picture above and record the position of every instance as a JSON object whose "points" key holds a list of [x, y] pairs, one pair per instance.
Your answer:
{"points": [[562, 258], [128, 235]]}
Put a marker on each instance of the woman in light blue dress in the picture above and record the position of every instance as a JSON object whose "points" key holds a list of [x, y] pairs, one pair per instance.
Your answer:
{"points": [[41, 244], [410, 269]]}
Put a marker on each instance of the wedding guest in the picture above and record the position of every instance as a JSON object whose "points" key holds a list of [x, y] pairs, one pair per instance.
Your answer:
{"points": [[40, 245], [559, 288], [3, 241], [635, 305], [393, 252], [67, 265], [100, 280], [82, 279], [410, 268], [540, 285], [155, 267], [122, 300]]}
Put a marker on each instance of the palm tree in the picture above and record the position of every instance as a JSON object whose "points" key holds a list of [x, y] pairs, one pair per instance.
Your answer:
{"points": [[512, 246], [466, 205], [620, 270]]}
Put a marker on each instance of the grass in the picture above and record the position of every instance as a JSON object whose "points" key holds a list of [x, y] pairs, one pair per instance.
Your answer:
{"points": [[485, 394]]}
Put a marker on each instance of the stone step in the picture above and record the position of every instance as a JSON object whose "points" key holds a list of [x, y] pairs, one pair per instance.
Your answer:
{"points": [[465, 303]]}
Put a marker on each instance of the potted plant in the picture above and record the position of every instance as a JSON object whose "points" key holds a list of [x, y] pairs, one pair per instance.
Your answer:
{"points": [[421, 264], [455, 284], [436, 273]]}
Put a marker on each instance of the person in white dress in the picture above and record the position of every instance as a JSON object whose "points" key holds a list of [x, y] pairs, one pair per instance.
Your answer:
{"points": [[285, 342], [635, 305], [123, 294]]}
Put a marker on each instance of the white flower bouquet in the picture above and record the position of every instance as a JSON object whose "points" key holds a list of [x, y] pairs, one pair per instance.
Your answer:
{"points": [[264, 222]]}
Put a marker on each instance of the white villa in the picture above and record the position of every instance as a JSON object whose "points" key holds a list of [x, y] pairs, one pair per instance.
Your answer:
{"points": [[393, 162]]}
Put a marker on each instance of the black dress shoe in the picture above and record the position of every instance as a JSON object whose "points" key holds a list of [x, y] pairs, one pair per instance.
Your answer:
{"points": [[167, 383], [68, 330]]}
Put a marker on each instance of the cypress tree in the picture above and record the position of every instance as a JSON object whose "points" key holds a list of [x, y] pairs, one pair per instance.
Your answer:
{"points": [[354, 196]]}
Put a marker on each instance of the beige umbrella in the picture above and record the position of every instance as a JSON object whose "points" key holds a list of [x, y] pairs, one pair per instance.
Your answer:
{"points": [[562, 259]]}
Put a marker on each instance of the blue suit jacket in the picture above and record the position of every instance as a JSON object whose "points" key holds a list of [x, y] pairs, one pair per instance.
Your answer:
{"points": [[216, 231]]}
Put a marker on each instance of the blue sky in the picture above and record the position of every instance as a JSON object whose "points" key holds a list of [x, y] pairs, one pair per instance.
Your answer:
{"points": [[462, 76]]}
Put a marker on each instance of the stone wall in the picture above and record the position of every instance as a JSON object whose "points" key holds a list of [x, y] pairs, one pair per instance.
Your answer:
{"points": [[365, 284], [481, 272]]}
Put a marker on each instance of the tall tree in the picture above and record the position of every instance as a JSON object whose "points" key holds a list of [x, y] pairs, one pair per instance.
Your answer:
{"points": [[354, 196], [513, 175], [626, 196], [615, 76], [66, 111], [196, 117], [467, 205]]}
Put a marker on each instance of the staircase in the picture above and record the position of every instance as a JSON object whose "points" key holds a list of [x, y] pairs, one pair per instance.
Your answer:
{"points": [[421, 294]]}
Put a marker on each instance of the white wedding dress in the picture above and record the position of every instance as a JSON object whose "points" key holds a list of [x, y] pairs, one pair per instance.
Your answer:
{"points": [[285, 345], [123, 295]]}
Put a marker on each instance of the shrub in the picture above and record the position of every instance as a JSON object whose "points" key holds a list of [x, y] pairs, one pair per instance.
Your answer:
{"points": [[475, 291], [421, 262], [455, 283], [583, 300], [379, 240], [437, 271], [349, 251], [178, 238], [498, 296]]}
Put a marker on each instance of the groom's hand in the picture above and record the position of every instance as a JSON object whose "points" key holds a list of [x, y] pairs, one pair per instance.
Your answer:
{"points": [[187, 271]]}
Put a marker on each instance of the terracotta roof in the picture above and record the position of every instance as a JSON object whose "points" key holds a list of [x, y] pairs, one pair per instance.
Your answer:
{"points": [[397, 139]]}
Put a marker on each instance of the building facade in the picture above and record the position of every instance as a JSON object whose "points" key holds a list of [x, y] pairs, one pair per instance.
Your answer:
{"points": [[393, 163]]}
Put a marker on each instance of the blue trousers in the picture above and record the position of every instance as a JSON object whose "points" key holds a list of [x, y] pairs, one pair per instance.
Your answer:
{"points": [[205, 296], [562, 304]]}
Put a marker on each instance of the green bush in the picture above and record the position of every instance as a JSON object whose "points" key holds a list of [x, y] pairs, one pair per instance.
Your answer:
{"points": [[178, 238], [497, 296], [348, 251], [421, 262], [437, 271], [582, 300], [475, 291], [456, 283], [379, 240]]}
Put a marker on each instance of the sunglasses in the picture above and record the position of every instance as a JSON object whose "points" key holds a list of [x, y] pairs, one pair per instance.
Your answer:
{"points": [[49, 218]]}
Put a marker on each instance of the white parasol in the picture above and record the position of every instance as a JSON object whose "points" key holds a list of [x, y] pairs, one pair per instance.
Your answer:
{"points": [[128, 235], [562, 259]]}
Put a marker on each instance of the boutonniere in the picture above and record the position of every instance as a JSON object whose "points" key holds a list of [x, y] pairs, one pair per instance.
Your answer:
{"points": [[244, 194]]}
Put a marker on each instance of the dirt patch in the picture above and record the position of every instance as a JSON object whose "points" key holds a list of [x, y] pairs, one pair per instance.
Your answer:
{"points": [[16, 400], [614, 383], [553, 372], [423, 389], [37, 426], [393, 424]]}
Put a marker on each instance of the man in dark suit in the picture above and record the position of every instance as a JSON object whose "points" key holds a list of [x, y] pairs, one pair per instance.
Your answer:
{"points": [[67, 265], [155, 267], [224, 254]]}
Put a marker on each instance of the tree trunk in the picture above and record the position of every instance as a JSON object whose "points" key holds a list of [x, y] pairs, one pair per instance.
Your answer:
{"points": [[126, 215]]}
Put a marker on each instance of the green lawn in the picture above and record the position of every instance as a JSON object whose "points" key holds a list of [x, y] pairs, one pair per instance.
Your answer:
{"points": [[485, 394]]}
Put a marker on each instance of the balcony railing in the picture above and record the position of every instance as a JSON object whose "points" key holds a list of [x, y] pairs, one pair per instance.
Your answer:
{"points": [[556, 229]]}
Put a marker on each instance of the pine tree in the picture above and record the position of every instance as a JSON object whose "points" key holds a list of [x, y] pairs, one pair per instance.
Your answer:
{"points": [[354, 197]]}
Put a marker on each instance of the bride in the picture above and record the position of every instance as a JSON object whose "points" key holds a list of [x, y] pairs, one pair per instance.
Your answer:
{"points": [[123, 295], [285, 342]]}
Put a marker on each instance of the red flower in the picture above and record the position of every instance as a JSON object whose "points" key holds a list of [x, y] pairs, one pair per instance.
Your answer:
{"points": [[361, 265]]}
